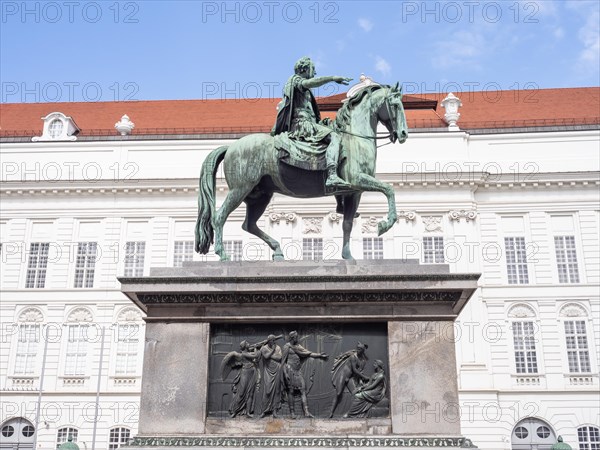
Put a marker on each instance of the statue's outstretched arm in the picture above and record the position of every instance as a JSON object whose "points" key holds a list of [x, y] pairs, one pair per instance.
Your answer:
{"points": [[320, 81]]}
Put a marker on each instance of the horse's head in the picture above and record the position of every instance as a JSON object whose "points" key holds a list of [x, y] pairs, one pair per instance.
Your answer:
{"points": [[391, 114]]}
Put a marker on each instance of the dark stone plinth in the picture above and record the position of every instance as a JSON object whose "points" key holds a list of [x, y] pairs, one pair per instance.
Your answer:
{"points": [[412, 305]]}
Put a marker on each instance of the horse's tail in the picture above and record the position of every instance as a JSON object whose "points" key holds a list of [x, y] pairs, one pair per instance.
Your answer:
{"points": [[207, 201]]}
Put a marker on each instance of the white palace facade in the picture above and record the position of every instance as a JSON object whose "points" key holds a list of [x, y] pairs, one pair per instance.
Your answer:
{"points": [[509, 190]]}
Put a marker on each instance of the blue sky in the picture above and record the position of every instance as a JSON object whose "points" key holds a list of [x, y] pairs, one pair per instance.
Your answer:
{"points": [[108, 50]]}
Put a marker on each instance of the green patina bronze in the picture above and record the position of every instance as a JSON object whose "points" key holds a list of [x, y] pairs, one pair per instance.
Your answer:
{"points": [[560, 445], [303, 157], [69, 445]]}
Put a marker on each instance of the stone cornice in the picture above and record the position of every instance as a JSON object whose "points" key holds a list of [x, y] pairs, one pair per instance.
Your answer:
{"points": [[190, 187]]}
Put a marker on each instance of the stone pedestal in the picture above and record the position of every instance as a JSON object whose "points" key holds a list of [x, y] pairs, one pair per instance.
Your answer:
{"points": [[406, 310]]}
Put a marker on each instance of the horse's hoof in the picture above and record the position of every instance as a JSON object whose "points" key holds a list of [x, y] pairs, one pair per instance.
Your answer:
{"points": [[382, 227], [278, 257]]}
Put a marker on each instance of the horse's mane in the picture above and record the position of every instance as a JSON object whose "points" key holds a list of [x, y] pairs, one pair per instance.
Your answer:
{"points": [[342, 118]]}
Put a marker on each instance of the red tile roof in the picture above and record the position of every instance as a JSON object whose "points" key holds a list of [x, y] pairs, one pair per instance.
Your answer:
{"points": [[498, 109]]}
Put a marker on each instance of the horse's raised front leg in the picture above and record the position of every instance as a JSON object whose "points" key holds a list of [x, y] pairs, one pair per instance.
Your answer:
{"points": [[232, 201], [368, 183], [350, 206], [254, 209]]}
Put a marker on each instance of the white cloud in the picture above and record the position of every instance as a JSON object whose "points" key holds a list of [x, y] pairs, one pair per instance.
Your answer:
{"points": [[559, 33], [382, 66], [589, 35], [465, 49], [588, 59], [365, 24]]}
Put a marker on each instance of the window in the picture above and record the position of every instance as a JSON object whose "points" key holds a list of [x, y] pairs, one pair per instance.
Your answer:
{"points": [[182, 251], [312, 248], [521, 432], [577, 346], [566, 259], [233, 249], [127, 349], [589, 438], [8, 430], [516, 260], [433, 249], [37, 264], [64, 433], [118, 436], [85, 265], [134, 258], [373, 248], [55, 128], [27, 347], [543, 431], [524, 342], [76, 350]]}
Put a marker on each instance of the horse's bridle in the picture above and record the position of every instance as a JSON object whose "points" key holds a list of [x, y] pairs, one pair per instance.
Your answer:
{"points": [[389, 135]]}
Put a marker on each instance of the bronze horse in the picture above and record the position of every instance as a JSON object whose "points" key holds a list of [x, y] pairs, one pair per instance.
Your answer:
{"points": [[254, 173]]}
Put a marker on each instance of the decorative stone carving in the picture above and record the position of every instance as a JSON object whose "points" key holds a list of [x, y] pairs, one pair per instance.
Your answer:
{"points": [[31, 315], [264, 378], [80, 315], [302, 297], [312, 225], [573, 310], [335, 217], [302, 441], [451, 104], [370, 225], [408, 216], [432, 223], [129, 315], [521, 311], [468, 215], [279, 216], [124, 126], [347, 372]]}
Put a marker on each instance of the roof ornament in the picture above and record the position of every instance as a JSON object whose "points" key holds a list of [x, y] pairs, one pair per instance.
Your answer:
{"points": [[451, 104], [124, 126], [365, 81]]}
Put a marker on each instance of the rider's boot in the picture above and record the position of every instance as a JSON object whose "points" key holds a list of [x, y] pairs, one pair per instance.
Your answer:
{"points": [[332, 156], [334, 181]]}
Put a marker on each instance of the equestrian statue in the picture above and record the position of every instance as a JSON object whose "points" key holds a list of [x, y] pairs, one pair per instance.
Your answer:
{"points": [[303, 157]]}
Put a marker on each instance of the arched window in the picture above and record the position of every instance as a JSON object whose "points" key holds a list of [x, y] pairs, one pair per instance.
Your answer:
{"points": [[532, 434], [55, 128], [128, 333], [28, 341], [118, 436], [524, 330], [64, 433], [576, 338], [77, 339], [589, 438], [17, 433]]}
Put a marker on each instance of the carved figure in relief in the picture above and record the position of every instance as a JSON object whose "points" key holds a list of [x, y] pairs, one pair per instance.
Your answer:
{"points": [[246, 380], [347, 372], [369, 394], [293, 358], [272, 377]]}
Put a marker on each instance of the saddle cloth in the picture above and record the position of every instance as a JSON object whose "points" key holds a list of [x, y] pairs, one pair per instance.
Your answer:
{"points": [[301, 154]]}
